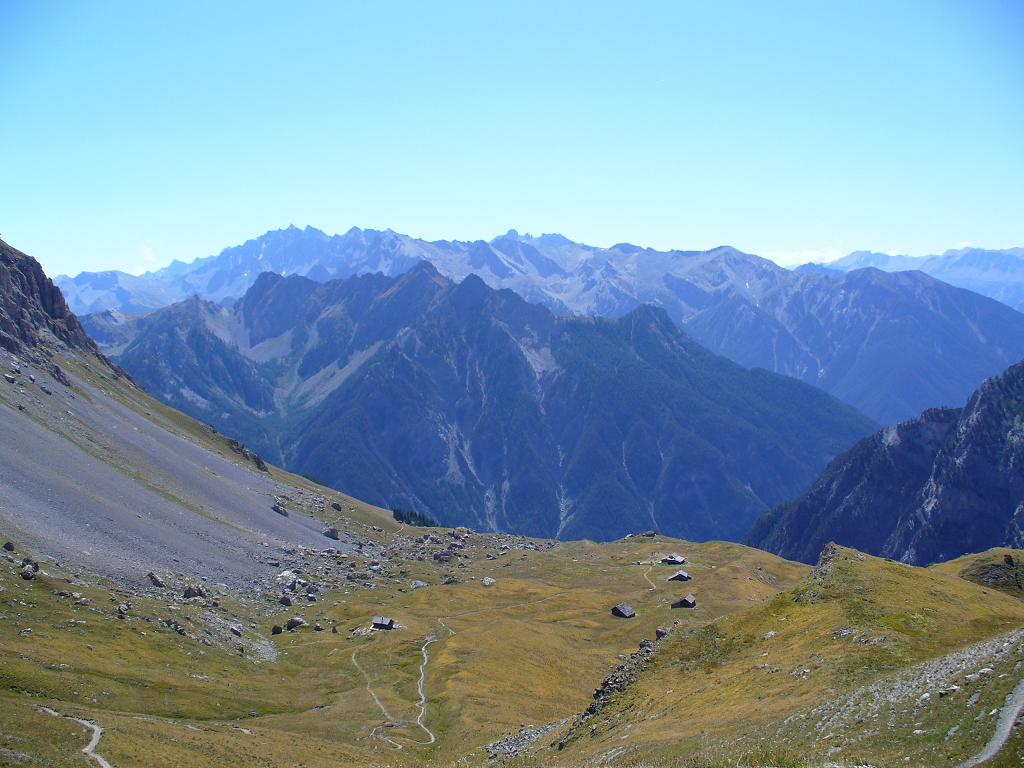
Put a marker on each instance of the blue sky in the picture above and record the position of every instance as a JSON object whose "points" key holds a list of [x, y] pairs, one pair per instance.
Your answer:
{"points": [[135, 133]]}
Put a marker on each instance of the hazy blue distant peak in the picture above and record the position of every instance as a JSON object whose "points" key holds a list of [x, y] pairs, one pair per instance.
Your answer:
{"points": [[1016, 252], [512, 234], [860, 259], [550, 240], [996, 273], [626, 248]]}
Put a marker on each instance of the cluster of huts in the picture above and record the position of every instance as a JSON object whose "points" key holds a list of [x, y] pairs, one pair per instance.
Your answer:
{"points": [[626, 611]]}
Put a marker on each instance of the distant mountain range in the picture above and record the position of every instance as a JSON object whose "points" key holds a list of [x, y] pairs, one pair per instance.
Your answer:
{"points": [[479, 408], [889, 344], [930, 489], [995, 273]]}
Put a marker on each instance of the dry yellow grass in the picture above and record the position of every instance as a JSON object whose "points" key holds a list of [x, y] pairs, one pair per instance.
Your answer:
{"points": [[529, 649], [720, 691]]}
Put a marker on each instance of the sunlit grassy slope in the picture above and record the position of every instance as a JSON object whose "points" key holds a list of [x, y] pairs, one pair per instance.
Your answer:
{"points": [[769, 683], [528, 649]]}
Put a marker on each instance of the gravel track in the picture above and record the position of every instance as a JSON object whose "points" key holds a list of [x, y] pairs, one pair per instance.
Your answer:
{"points": [[97, 732], [1007, 717]]}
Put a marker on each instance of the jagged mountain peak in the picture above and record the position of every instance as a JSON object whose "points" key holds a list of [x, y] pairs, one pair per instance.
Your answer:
{"points": [[476, 406], [33, 312], [803, 324], [932, 488]]}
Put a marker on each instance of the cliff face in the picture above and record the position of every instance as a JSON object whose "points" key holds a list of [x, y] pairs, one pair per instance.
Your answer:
{"points": [[946, 483], [33, 312], [975, 491]]}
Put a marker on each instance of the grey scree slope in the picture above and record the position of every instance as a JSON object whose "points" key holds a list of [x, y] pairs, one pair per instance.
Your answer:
{"points": [[140, 498]]}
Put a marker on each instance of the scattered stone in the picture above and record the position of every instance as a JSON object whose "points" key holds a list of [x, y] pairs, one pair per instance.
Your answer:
{"points": [[28, 573], [623, 611], [194, 590], [662, 632], [318, 627], [519, 742], [336, 506], [176, 626], [332, 533], [236, 631], [280, 509], [487, 581], [156, 580], [294, 623], [417, 584], [285, 601], [276, 629], [8, 546], [10, 379]]}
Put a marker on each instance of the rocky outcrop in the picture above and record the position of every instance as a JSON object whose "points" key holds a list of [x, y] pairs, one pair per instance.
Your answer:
{"points": [[619, 680], [944, 484], [33, 312]]}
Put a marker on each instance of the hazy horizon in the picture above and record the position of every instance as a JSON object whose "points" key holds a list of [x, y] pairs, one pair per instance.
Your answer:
{"points": [[795, 259], [802, 131]]}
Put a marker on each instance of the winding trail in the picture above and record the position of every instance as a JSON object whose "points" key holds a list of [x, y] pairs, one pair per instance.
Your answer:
{"points": [[377, 701], [421, 703], [648, 578], [89, 749], [1007, 717]]}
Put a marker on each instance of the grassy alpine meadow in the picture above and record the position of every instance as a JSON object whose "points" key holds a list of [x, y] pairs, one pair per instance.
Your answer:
{"points": [[526, 650]]}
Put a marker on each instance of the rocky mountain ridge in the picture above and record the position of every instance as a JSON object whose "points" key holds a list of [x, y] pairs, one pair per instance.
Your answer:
{"points": [[930, 489], [997, 273], [890, 345], [478, 408]]}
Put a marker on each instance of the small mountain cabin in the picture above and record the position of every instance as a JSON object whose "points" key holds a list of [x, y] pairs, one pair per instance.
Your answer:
{"points": [[623, 611]]}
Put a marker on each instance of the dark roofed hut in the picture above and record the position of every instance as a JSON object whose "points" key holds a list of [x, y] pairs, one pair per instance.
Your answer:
{"points": [[673, 559], [679, 576], [383, 622], [685, 602], [623, 611]]}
